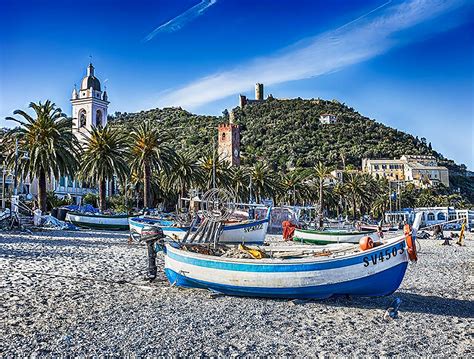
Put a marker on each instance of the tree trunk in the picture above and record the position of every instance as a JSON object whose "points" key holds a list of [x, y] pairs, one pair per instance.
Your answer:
{"points": [[146, 186], [102, 200], [42, 191], [321, 202], [353, 207]]}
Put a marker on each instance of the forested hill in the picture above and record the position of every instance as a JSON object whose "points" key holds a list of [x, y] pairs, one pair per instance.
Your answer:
{"points": [[287, 134]]}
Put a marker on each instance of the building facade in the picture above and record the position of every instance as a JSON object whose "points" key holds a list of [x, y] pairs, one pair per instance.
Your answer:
{"points": [[432, 216], [422, 171], [327, 119], [392, 170]]}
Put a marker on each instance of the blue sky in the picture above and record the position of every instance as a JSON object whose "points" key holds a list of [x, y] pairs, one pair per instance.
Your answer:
{"points": [[408, 64]]}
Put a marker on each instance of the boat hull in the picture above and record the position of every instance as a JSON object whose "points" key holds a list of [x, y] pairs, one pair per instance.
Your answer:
{"points": [[118, 223], [325, 237], [377, 272]]}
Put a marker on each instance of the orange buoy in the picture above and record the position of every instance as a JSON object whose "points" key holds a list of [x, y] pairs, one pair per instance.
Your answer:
{"points": [[411, 245], [366, 243]]}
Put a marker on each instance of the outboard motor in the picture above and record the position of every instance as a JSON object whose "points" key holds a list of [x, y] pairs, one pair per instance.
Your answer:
{"points": [[150, 235]]}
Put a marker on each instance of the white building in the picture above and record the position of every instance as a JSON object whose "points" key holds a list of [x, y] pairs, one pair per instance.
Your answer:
{"points": [[422, 171], [327, 118], [432, 215]]}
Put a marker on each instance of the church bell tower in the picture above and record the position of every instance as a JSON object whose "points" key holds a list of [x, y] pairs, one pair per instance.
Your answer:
{"points": [[89, 105]]}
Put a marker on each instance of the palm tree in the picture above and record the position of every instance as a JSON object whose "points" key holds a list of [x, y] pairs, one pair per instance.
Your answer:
{"points": [[294, 187], [240, 183], [186, 173], [48, 141], [362, 190], [263, 181], [321, 172], [222, 170], [150, 155], [354, 186], [339, 191], [105, 156]]}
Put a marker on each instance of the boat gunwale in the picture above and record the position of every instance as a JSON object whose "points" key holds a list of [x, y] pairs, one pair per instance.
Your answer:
{"points": [[329, 233], [98, 215], [282, 261]]}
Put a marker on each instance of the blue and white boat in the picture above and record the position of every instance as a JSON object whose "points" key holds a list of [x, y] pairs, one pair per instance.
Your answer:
{"points": [[248, 231], [374, 272]]}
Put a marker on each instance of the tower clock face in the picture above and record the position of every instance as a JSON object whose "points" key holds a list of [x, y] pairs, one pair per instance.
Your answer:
{"points": [[225, 152], [236, 152]]}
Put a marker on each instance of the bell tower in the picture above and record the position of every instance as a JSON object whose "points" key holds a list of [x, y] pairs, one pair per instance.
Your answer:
{"points": [[89, 105]]}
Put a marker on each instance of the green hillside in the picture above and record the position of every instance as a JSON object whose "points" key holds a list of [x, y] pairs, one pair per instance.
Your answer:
{"points": [[287, 134]]}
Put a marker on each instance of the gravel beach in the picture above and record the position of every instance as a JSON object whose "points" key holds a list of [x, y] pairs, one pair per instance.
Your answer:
{"points": [[83, 293]]}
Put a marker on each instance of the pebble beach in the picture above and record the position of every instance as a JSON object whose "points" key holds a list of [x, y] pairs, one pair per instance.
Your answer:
{"points": [[84, 293]]}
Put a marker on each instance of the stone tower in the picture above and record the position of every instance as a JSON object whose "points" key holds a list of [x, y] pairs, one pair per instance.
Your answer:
{"points": [[229, 143], [259, 92], [89, 105]]}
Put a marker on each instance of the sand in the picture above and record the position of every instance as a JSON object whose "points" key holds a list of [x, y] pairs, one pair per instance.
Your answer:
{"points": [[83, 293]]}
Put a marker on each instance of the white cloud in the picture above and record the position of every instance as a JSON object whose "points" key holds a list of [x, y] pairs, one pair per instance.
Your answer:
{"points": [[359, 40], [179, 21]]}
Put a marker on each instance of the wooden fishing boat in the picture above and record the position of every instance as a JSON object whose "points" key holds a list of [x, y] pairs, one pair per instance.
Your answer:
{"points": [[331, 236], [248, 231], [374, 272], [98, 221]]}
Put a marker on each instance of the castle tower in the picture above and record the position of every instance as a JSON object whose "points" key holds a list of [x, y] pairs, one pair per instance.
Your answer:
{"points": [[228, 147], [89, 105], [259, 92]]}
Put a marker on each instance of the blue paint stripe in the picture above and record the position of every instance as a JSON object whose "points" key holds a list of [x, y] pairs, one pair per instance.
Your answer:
{"points": [[379, 284], [284, 267]]}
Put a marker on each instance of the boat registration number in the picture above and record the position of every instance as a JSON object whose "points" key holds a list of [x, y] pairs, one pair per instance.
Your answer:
{"points": [[384, 255], [254, 228]]}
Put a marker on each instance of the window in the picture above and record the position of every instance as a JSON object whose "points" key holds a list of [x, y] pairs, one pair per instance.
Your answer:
{"points": [[82, 118], [98, 118], [62, 181], [223, 136], [431, 217], [441, 217]]}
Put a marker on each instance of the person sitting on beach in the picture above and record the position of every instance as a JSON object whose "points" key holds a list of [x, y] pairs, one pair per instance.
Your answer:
{"points": [[438, 232]]}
